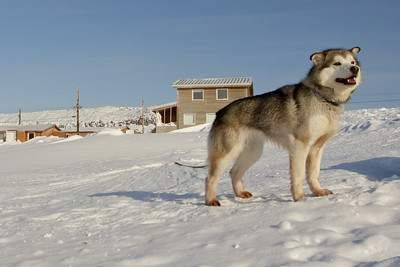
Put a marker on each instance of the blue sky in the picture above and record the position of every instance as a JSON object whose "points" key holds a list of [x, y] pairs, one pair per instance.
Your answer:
{"points": [[119, 51]]}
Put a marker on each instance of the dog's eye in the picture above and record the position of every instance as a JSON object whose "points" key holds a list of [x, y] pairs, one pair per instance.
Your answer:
{"points": [[352, 62], [337, 63]]}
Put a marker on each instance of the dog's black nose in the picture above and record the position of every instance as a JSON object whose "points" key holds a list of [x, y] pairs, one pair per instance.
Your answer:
{"points": [[354, 69]]}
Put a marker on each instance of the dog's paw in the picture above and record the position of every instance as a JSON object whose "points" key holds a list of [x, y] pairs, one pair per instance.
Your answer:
{"points": [[298, 197], [322, 192], [213, 203], [245, 194]]}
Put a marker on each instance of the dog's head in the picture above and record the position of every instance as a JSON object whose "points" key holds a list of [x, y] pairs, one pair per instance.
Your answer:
{"points": [[336, 68]]}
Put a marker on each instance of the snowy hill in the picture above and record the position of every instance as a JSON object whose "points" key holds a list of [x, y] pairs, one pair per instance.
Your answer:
{"points": [[89, 117], [109, 200]]}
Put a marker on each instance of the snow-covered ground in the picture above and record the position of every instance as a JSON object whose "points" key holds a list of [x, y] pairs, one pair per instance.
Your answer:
{"points": [[110, 200], [107, 116]]}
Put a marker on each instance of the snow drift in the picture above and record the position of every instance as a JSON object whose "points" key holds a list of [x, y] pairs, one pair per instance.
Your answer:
{"points": [[110, 200]]}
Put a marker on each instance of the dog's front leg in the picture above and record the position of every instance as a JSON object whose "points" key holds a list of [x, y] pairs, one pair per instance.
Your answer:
{"points": [[313, 167], [298, 155]]}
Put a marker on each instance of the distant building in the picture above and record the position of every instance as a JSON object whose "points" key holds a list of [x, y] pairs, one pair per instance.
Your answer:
{"points": [[166, 117], [24, 133], [198, 100]]}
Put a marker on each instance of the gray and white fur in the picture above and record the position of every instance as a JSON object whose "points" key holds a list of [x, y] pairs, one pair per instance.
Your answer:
{"points": [[300, 118]]}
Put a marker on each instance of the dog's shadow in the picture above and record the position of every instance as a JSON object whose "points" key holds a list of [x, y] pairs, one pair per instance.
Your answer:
{"points": [[375, 169], [187, 198], [147, 196]]}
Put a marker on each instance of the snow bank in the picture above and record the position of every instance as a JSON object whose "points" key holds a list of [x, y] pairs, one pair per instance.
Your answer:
{"points": [[114, 132], [198, 128], [353, 121], [43, 140], [370, 119], [70, 139]]}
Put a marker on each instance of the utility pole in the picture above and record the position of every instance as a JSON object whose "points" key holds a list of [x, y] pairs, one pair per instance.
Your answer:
{"points": [[142, 116], [19, 117], [78, 107]]}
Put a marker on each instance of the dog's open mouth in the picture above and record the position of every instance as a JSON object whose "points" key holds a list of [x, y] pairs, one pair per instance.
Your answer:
{"points": [[347, 81]]}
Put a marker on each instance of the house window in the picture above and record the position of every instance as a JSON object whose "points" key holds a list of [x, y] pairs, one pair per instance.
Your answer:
{"points": [[198, 94], [31, 136], [222, 94], [210, 117], [189, 119]]}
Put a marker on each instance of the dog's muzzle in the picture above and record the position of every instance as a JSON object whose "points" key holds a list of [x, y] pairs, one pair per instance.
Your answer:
{"points": [[352, 79], [347, 81]]}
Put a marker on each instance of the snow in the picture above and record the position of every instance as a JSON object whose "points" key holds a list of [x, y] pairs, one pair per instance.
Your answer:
{"points": [[99, 117], [115, 132], [197, 128], [107, 200], [70, 139]]}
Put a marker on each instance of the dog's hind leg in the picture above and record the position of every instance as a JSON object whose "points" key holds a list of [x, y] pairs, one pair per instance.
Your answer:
{"points": [[313, 167], [217, 164], [249, 155], [224, 146]]}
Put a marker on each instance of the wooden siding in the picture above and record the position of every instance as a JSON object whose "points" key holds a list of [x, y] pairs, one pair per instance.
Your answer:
{"points": [[51, 132], [209, 105], [23, 135]]}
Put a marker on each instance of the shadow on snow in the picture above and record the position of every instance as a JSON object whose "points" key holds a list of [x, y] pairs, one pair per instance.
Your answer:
{"points": [[188, 198], [375, 169], [151, 196]]}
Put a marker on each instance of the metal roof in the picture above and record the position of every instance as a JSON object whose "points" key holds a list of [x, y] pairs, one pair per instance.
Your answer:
{"points": [[166, 105], [33, 128], [213, 82]]}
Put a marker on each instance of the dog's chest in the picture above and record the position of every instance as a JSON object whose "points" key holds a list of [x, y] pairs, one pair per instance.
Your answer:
{"points": [[319, 125]]}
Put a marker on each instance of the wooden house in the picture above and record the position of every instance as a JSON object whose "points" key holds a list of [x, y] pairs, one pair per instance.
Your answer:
{"points": [[198, 100], [24, 133]]}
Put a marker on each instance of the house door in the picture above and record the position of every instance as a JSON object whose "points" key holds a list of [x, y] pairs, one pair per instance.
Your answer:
{"points": [[11, 136], [189, 119]]}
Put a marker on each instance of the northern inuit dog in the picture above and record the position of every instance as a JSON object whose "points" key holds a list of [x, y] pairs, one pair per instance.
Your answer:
{"points": [[301, 118]]}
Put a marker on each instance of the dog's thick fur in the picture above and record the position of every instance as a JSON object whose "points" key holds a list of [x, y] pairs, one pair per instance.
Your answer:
{"points": [[300, 118]]}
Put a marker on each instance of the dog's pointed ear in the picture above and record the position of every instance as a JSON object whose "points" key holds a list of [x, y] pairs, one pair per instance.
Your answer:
{"points": [[355, 50], [317, 58]]}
